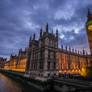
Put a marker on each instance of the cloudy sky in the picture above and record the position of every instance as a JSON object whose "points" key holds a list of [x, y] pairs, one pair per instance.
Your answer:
{"points": [[19, 19]]}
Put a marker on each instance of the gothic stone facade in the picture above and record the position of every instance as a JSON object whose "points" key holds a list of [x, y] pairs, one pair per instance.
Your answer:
{"points": [[44, 58], [17, 63], [2, 62], [43, 54], [72, 61]]}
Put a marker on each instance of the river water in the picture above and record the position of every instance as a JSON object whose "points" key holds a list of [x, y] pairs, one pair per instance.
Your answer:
{"points": [[9, 85]]}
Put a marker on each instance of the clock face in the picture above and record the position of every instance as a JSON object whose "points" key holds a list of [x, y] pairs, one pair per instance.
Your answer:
{"points": [[90, 27]]}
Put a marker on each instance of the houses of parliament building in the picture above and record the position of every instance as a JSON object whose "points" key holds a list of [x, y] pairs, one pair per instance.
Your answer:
{"points": [[44, 58]]}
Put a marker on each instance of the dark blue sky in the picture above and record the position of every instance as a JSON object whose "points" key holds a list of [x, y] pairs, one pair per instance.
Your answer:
{"points": [[21, 18]]}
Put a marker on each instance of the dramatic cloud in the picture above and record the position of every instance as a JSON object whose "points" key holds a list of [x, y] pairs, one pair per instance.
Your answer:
{"points": [[19, 19]]}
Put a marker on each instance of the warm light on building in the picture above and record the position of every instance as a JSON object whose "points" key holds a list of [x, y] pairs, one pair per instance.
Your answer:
{"points": [[83, 72], [72, 62], [17, 63], [44, 55]]}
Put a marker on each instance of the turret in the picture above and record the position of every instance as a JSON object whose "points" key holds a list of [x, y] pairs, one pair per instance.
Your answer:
{"points": [[89, 13], [62, 47], [78, 52], [20, 50], [66, 48], [70, 49], [40, 38], [47, 28], [75, 51], [57, 33], [89, 16], [83, 52], [52, 31], [30, 41], [40, 32], [34, 36], [11, 56]]}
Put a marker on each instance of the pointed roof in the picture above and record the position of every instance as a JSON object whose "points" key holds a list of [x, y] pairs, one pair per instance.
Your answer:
{"points": [[89, 13], [47, 28]]}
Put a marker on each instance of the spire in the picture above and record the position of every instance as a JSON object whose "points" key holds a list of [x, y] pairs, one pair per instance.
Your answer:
{"points": [[66, 48], [83, 51], [52, 31], [56, 33], [47, 28], [89, 13], [73, 50], [20, 50], [69, 48], [30, 40], [11, 56], [78, 52], [40, 32], [34, 36], [62, 47]]}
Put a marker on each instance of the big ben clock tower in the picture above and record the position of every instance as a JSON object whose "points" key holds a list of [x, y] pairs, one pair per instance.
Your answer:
{"points": [[89, 30]]}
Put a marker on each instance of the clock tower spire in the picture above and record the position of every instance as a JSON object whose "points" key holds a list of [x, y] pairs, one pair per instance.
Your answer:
{"points": [[89, 29]]}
